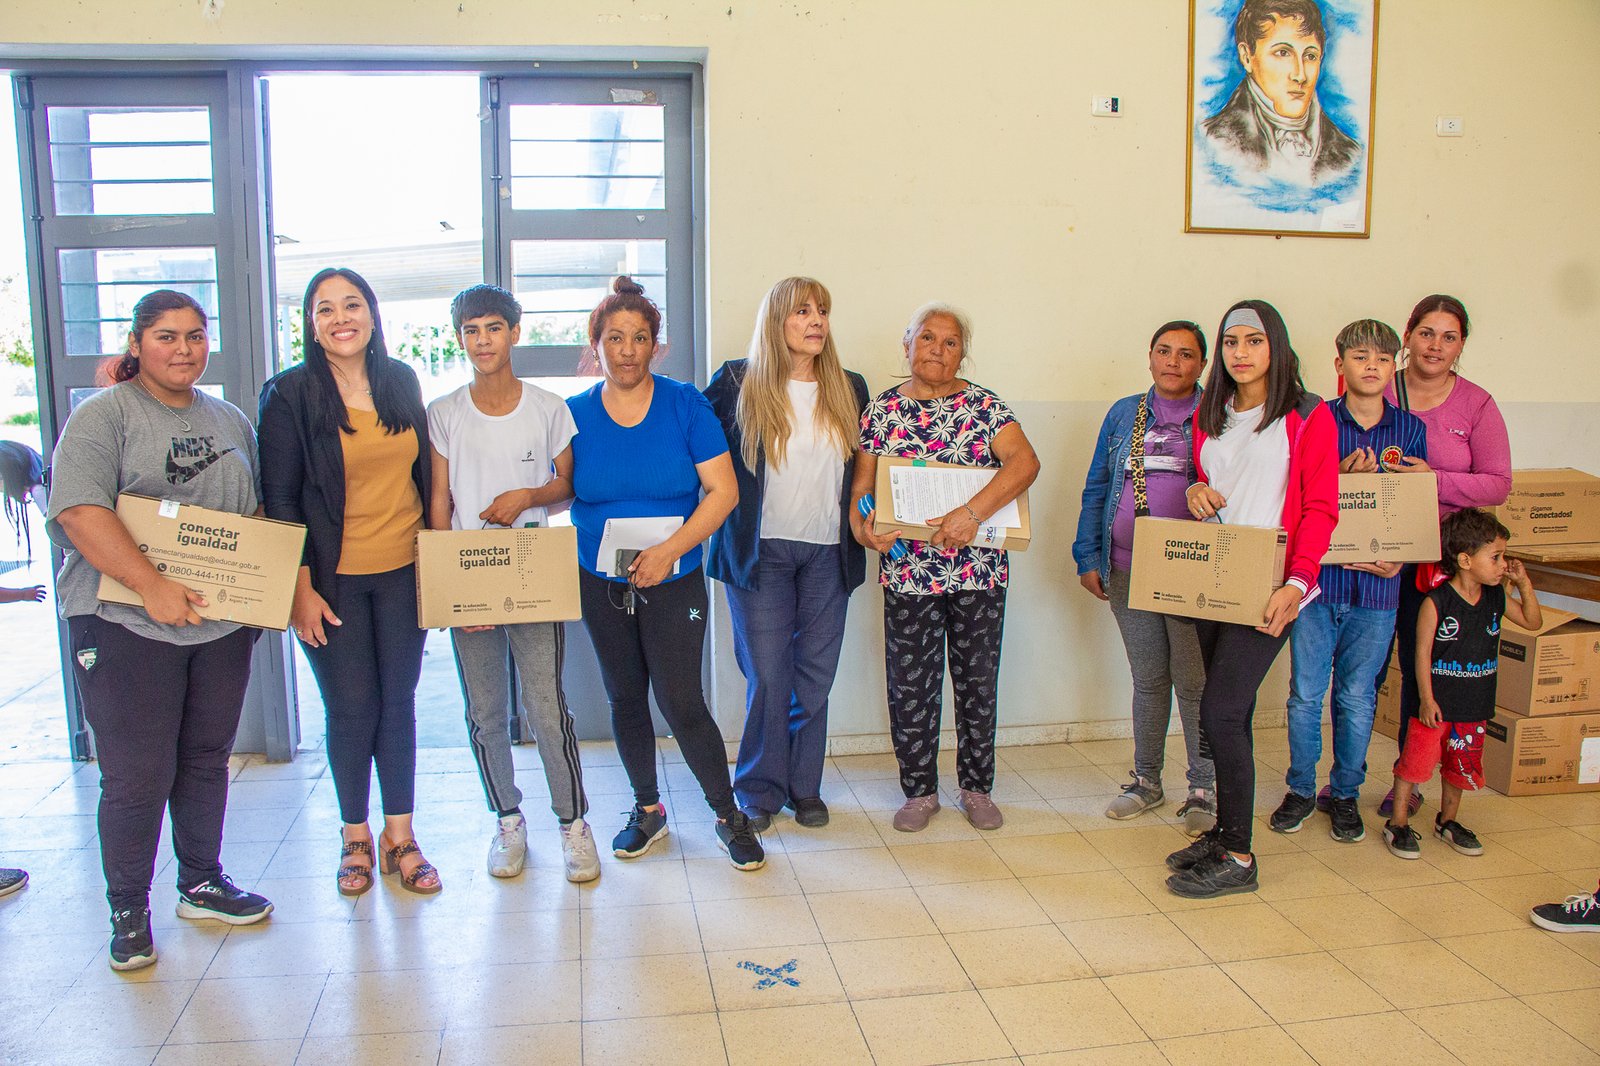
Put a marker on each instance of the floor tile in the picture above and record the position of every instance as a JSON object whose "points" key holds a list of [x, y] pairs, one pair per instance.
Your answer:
{"points": [[227, 1053], [1501, 1031], [716, 878], [1526, 961], [1389, 1037], [1573, 1012], [1145, 844], [1027, 818], [548, 1045], [925, 1030], [1350, 921], [391, 1049], [950, 862], [665, 929], [389, 1002], [1421, 974], [1252, 931], [641, 986], [894, 912], [744, 980], [681, 1040], [1554, 849], [1522, 893], [727, 924], [1040, 756], [1185, 1002], [97, 1018], [849, 870], [975, 905], [995, 958], [1267, 1044], [1299, 876], [1373, 869], [248, 1008], [903, 966], [831, 1036], [1132, 944], [1082, 896], [1061, 1016], [1303, 988], [1141, 1054], [1068, 782], [1042, 856]]}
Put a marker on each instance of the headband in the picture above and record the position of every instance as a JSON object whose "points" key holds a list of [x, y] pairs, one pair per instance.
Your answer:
{"points": [[1243, 316]]}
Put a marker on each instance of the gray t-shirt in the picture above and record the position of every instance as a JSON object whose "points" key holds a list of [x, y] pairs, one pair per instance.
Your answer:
{"points": [[122, 440]]}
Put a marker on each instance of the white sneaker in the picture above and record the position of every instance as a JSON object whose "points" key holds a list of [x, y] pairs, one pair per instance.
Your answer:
{"points": [[578, 851], [508, 851]]}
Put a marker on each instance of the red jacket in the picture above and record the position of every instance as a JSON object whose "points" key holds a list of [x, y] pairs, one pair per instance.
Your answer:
{"points": [[1311, 498]]}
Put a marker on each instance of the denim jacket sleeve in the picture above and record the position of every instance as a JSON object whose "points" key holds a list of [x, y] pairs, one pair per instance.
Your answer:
{"points": [[1088, 550]]}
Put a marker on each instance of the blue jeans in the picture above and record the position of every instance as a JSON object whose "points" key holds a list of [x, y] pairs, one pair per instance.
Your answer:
{"points": [[1350, 644], [787, 634]]}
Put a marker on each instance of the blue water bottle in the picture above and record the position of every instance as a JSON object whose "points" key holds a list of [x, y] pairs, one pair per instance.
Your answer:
{"points": [[866, 506]]}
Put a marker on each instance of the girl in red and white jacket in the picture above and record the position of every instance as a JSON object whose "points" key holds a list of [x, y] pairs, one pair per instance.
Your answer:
{"points": [[1266, 454]]}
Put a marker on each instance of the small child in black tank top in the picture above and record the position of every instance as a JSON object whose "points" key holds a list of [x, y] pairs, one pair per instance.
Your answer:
{"points": [[1458, 653]]}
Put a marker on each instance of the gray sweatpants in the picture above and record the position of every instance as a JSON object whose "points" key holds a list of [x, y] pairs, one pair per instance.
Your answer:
{"points": [[1164, 654], [483, 660]]}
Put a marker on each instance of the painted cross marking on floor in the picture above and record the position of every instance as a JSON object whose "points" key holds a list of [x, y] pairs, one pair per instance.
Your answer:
{"points": [[772, 976]]}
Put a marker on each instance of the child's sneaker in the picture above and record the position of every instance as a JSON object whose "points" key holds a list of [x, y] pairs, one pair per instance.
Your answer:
{"points": [[1457, 836], [1402, 840], [508, 851], [1217, 875], [131, 945], [1386, 808], [1207, 846], [1347, 825], [1579, 914], [646, 825], [222, 900], [1292, 813], [578, 852], [1199, 812], [1138, 797], [739, 839]]}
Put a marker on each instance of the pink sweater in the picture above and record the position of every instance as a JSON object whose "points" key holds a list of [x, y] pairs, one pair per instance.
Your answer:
{"points": [[1467, 447]]}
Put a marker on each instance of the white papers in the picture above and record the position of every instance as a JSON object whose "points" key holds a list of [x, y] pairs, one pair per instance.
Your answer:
{"points": [[636, 534], [1589, 761], [921, 493]]}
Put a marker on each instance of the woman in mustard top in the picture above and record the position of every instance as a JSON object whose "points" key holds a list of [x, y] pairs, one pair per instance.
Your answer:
{"points": [[344, 450]]}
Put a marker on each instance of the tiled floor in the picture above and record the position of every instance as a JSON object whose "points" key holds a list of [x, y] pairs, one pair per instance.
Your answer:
{"points": [[1052, 941]]}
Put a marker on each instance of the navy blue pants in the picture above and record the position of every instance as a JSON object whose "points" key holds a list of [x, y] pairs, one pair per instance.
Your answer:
{"points": [[787, 633], [368, 674]]}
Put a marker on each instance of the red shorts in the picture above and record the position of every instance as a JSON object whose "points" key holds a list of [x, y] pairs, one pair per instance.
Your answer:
{"points": [[1456, 748]]}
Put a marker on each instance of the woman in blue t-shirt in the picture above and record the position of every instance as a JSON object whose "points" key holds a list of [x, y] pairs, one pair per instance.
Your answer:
{"points": [[647, 446]]}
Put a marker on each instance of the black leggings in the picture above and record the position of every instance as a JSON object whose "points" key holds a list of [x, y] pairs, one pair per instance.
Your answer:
{"points": [[1405, 637], [916, 631], [368, 675], [1237, 659], [164, 716], [659, 648]]}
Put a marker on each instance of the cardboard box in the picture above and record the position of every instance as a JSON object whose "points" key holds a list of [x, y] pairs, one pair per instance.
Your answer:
{"points": [[1555, 670], [1389, 517], [1205, 570], [1556, 506], [1542, 756], [244, 566], [1012, 538], [491, 577], [1387, 719]]}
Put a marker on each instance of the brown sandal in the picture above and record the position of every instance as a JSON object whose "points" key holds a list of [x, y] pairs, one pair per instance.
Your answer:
{"points": [[389, 863], [353, 870]]}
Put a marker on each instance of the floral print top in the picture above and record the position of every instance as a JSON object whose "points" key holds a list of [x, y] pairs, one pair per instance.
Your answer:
{"points": [[959, 428]]}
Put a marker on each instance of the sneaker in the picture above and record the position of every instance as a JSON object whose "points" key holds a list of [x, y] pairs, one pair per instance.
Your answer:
{"points": [[1347, 825], [1292, 813], [1216, 875], [1579, 914], [811, 813], [646, 825], [131, 945], [1142, 795], [979, 808], [737, 837], [222, 900], [578, 853], [1386, 808], [913, 815], [1402, 840], [1209, 844], [1199, 812], [508, 851], [12, 880], [1325, 799], [760, 820], [1457, 836]]}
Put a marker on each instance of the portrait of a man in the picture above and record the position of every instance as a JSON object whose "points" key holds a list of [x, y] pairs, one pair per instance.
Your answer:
{"points": [[1279, 139]]}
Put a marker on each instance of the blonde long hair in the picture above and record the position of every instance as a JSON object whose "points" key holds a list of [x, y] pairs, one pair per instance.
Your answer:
{"points": [[764, 413]]}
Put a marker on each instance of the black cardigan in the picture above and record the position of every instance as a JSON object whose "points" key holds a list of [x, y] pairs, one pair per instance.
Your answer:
{"points": [[302, 466], [735, 548]]}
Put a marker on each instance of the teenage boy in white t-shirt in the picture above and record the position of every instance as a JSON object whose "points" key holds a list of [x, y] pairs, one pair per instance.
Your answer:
{"points": [[501, 457]]}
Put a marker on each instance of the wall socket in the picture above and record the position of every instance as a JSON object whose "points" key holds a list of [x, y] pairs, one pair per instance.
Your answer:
{"points": [[1447, 126], [1105, 106]]}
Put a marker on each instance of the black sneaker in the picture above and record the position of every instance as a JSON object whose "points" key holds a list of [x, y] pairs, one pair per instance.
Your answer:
{"points": [[12, 881], [811, 813], [1347, 824], [760, 820], [1579, 914], [1216, 875], [1402, 840], [646, 825], [738, 838], [1205, 846], [224, 901], [1293, 812], [1457, 836], [131, 945]]}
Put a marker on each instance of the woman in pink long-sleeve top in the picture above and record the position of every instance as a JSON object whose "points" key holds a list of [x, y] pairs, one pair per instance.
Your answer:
{"points": [[1467, 448]]}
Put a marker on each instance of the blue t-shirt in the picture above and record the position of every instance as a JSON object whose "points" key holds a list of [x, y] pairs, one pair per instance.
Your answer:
{"points": [[643, 471]]}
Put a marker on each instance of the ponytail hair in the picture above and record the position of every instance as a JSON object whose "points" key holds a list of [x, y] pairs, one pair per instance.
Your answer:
{"points": [[626, 295], [151, 306]]}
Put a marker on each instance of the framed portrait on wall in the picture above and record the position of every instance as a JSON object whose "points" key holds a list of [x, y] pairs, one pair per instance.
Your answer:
{"points": [[1282, 95]]}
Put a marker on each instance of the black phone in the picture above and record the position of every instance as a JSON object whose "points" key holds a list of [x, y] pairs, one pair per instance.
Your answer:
{"points": [[625, 558]]}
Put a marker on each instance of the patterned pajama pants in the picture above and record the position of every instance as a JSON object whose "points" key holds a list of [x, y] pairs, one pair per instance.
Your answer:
{"points": [[916, 631]]}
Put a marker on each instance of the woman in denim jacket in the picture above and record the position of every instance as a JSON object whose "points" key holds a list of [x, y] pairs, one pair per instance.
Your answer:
{"points": [[1143, 462]]}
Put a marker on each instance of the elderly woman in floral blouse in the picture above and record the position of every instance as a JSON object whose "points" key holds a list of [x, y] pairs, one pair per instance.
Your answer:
{"points": [[944, 590]]}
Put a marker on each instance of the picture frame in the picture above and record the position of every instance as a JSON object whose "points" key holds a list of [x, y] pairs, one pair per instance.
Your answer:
{"points": [[1281, 108]]}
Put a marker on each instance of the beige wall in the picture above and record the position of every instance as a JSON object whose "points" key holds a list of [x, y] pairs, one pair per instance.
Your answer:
{"points": [[905, 149]]}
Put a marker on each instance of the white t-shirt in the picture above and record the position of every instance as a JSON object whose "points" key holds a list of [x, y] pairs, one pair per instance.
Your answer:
{"points": [[491, 454], [801, 500], [1250, 469]]}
